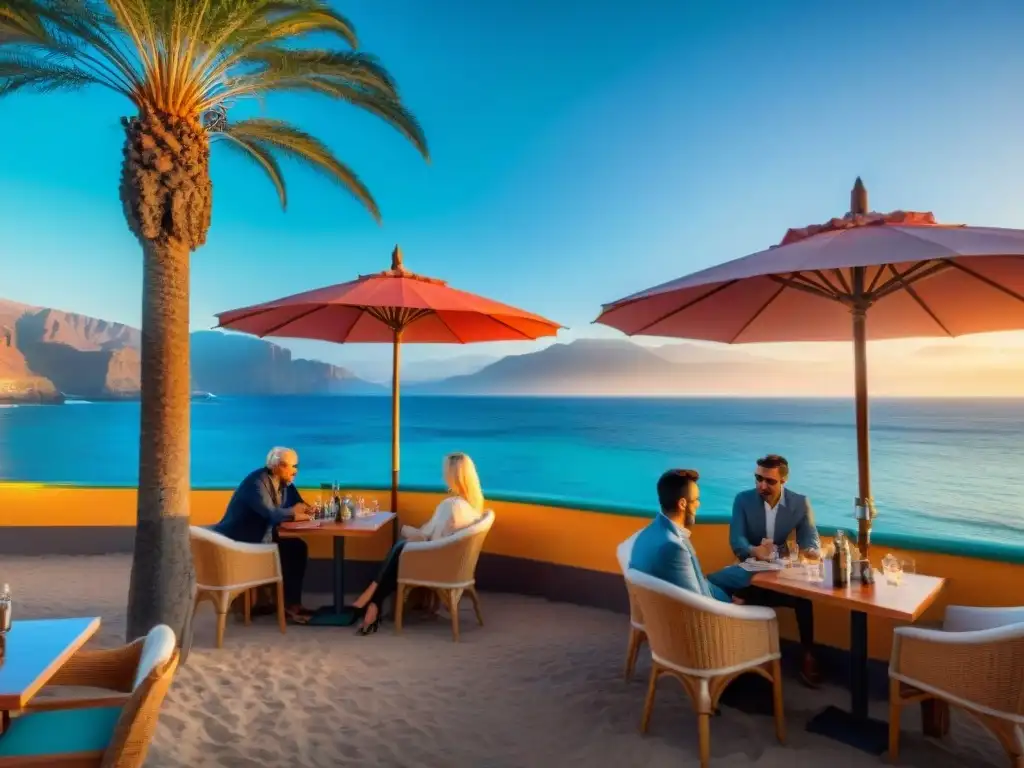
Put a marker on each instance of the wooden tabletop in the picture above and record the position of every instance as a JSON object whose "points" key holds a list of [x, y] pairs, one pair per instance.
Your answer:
{"points": [[357, 526], [904, 603], [34, 650]]}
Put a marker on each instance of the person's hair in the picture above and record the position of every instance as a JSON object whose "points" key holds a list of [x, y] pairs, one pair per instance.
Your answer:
{"points": [[276, 456], [460, 473], [675, 485], [774, 461]]}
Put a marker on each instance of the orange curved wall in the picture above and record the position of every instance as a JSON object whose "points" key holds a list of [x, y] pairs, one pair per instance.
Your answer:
{"points": [[569, 537]]}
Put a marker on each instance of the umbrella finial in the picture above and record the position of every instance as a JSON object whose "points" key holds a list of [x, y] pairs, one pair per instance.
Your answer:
{"points": [[858, 198], [396, 259]]}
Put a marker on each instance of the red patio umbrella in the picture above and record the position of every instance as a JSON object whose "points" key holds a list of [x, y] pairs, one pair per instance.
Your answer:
{"points": [[914, 277], [394, 306]]}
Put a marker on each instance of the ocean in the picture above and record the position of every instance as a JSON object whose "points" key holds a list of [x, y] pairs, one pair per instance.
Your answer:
{"points": [[942, 467]]}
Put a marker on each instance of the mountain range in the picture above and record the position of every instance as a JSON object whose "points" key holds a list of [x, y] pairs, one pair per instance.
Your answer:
{"points": [[47, 355]]}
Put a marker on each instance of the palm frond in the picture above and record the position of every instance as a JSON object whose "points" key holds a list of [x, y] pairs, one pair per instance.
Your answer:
{"points": [[20, 74], [262, 156], [277, 136]]}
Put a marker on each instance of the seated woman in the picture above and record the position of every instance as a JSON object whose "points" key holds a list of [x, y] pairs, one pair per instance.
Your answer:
{"points": [[463, 508]]}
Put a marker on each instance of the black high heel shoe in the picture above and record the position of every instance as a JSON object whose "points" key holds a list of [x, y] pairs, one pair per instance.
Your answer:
{"points": [[369, 629]]}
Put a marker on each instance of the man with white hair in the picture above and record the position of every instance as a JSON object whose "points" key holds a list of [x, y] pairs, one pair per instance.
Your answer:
{"points": [[266, 498]]}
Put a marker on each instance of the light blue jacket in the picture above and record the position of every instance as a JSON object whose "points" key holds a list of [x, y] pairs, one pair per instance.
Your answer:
{"points": [[748, 526], [663, 550]]}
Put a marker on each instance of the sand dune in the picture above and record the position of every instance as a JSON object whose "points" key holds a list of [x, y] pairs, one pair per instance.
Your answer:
{"points": [[539, 685]]}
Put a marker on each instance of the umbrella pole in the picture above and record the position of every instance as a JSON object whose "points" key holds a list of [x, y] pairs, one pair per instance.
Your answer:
{"points": [[864, 504], [396, 354]]}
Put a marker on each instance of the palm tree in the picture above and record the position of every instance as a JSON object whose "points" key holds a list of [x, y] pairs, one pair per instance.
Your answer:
{"points": [[184, 64]]}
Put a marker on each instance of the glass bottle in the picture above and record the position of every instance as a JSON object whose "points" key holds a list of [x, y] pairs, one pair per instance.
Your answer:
{"points": [[6, 607]]}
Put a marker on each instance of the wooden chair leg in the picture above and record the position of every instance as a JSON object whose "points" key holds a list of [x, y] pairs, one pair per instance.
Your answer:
{"points": [[895, 711], [222, 621], [652, 684], [704, 738], [399, 605], [471, 591], [452, 597], [632, 651], [935, 718], [282, 620], [247, 607], [778, 706]]}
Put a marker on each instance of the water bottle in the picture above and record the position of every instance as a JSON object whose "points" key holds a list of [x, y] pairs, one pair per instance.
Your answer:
{"points": [[841, 561], [5, 609]]}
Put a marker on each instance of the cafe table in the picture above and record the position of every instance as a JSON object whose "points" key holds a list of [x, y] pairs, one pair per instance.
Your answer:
{"points": [[362, 526], [33, 651], [905, 602]]}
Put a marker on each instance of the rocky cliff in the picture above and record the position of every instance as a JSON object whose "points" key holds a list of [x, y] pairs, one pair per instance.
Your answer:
{"points": [[47, 355]]}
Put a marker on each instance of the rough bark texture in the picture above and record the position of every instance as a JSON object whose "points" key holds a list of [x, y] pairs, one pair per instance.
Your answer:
{"points": [[166, 192]]}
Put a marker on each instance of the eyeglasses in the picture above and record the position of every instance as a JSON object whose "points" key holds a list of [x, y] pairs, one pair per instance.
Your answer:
{"points": [[765, 480]]}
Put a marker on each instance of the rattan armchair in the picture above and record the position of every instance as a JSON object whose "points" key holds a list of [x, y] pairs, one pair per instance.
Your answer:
{"points": [[637, 635], [447, 566], [705, 644], [975, 662], [97, 734], [226, 569]]}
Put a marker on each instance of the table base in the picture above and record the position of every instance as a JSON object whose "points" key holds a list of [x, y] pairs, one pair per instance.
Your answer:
{"points": [[863, 733], [328, 617]]}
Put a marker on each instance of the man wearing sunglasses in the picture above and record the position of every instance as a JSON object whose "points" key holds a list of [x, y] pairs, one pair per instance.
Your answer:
{"points": [[763, 518]]}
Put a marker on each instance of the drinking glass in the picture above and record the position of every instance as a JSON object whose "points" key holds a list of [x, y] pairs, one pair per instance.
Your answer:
{"points": [[361, 506], [794, 552], [893, 570], [374, 507]]}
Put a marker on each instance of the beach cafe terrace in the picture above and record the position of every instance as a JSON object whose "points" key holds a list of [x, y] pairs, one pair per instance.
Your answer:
{"points": [[541, 681]]}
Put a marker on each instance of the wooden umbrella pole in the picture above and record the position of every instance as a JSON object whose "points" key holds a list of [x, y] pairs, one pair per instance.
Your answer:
{"points": [[396, 355], [864, 503]]}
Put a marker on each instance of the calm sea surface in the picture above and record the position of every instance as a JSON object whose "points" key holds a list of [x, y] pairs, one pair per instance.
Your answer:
{"points": [[952, 468]]}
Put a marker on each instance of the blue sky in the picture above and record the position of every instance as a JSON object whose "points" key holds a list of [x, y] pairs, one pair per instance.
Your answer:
{"points": [[581, 151]]}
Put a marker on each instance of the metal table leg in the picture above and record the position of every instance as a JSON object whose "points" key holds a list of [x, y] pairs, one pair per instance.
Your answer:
{"points": [[854, 727]]}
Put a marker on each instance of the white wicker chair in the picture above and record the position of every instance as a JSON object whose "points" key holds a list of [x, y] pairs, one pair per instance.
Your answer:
{"points": [[975, 662], [705, 644], [637, 635], [447, 566], [226, 569]]}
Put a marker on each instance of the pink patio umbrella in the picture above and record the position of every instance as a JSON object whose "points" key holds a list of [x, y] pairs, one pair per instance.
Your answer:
{"points": [[395, 307], [913, 276]]}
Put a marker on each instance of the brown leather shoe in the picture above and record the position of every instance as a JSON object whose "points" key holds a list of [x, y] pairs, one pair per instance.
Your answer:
{"points": [[810, 675]]}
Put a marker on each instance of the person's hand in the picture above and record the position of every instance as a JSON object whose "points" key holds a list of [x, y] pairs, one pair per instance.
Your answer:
{"points": [[764, 550], [301, 513], [739, 600]]}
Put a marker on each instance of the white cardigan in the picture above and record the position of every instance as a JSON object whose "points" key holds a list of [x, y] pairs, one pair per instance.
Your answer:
{"points": [[451, 515]]}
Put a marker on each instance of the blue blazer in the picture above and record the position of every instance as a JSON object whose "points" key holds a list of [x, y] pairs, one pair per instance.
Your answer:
{"points": [[748, 526], [662, 551], [255, 506]]}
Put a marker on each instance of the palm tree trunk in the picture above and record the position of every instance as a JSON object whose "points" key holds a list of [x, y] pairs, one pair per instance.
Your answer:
{"points": [[162, 565]]}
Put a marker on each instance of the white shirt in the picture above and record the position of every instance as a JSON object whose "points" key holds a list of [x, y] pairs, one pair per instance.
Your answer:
{"points": [[770, 513], [451, 515]]}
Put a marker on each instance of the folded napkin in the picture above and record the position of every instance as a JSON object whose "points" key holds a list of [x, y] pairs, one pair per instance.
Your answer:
{"points": [[753, 564]]}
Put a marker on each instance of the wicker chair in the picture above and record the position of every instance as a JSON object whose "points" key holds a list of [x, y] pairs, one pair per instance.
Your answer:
{"points": [[96, 734], [447, 566], [637, 635], [975, 662], [705, 644], [226, 569]]}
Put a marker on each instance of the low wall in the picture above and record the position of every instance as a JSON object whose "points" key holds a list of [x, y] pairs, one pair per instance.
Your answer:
{"points": [[557, 548]]}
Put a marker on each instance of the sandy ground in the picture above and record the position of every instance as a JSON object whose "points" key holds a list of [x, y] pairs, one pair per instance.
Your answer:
{"points": [[541, 684]]}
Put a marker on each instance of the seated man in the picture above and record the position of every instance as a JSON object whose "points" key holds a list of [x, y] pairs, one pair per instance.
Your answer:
{"points": [[763, 518], [663, 549], [263, 500]]}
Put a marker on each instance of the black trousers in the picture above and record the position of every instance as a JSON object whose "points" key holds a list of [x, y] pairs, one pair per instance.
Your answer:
{"points": [[387, 576], [803, 607], [294, 555]]}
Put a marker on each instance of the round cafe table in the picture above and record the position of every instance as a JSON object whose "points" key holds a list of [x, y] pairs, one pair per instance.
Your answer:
{"points": [[358, 527]]}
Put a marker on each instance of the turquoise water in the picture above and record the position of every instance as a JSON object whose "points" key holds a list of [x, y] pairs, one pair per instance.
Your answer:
{"points": [[942, 468]]}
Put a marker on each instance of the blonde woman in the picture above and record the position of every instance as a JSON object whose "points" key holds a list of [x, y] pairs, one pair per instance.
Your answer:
{"points": [[462, 508]]}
